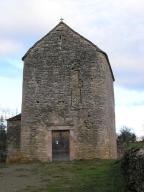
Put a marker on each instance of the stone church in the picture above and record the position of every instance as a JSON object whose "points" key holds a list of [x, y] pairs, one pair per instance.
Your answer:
{"points": [[67, 103]]}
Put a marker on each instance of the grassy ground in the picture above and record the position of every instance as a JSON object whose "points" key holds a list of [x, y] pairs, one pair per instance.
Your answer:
{"points": [[135, 145], [76, 176]]}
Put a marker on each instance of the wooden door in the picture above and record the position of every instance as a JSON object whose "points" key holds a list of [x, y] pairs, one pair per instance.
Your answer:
{"points": [[60, 145]]}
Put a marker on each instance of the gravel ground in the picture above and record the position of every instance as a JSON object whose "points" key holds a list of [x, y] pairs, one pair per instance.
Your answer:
{"points": [[16, 178]]}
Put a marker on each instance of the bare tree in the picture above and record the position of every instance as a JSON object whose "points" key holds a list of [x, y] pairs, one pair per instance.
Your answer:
{"points": [[126, 136]]}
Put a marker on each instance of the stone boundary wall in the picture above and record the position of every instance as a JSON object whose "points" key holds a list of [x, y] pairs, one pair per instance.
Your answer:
{"points": [[133, 169], [13, 140]]}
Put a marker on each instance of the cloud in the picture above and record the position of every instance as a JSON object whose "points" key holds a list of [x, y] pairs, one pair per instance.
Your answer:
{"points": [[11, 68], [131, 117], [128, 71], [10, 96], [130, 109], [17, 63], [128, 98], [115, 26], [9, 47], [33, 14]]}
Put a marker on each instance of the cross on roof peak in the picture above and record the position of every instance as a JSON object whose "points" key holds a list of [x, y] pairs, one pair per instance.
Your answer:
{"points": [[61, 19]]}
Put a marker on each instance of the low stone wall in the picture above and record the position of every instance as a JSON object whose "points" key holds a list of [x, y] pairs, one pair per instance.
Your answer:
{"points": [[133, 169], [13, 140]]}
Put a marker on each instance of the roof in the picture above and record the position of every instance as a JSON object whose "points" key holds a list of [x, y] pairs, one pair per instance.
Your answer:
{"points": [[62, 23], [15, 118]]}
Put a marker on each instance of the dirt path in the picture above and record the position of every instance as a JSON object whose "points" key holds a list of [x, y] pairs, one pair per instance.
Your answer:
{"points": [[16, 178]]}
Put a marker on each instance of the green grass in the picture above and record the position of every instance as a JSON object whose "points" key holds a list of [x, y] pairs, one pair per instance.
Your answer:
{"points": [[79, 176], [135, 145]]}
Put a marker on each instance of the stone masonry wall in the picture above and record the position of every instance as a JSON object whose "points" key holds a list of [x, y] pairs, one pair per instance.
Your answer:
{"points": [[68, 82], [13, 139]]}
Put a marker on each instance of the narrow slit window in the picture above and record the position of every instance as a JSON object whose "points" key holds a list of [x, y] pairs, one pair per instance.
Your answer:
{"points": [[76, 90]]}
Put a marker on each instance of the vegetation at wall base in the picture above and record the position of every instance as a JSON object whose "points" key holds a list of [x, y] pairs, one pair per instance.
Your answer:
{"points": [[133, 169]]}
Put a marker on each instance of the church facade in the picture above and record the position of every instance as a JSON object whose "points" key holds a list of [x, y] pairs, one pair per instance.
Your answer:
{"points": [[67, 103]]}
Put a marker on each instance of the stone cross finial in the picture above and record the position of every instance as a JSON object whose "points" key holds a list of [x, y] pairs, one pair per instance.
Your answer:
{"points": [[61, 19]]}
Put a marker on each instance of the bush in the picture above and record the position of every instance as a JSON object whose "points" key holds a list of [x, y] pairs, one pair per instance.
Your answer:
{"points": [[126, 136], [133, 169]]}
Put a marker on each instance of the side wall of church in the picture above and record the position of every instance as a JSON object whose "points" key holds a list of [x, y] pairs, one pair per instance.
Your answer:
{"points": [[96, 127]]}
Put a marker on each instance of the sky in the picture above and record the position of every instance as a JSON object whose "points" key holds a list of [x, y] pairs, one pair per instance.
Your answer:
{"points": [[116, 26]]}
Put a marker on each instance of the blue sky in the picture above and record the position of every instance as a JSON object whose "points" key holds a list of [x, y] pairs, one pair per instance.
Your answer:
{"points": [[117, 27]]}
